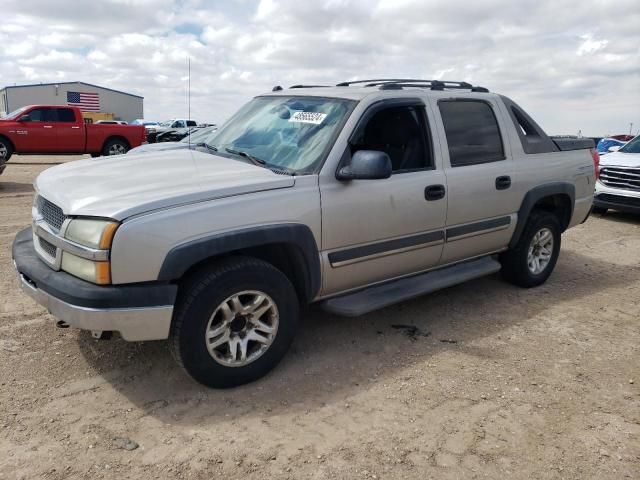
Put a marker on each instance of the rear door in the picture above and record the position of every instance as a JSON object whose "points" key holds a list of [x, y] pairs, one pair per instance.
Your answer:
{"points": [[37, 134], [69, 131], [482, 202], [375, 230]]}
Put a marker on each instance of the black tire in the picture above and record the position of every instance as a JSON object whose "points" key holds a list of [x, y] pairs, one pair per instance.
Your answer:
{"points": [[599, 210], [113, 146], [201, 295], [6, 147], [515, 266]]}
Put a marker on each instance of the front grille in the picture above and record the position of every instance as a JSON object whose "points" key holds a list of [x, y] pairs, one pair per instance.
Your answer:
{"points": [[618, 177], [619, 199], [51, 213], [47, 247]]}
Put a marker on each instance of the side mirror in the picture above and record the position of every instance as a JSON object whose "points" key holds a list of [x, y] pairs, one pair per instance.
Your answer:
{"points": [[366, 165], [25, 118], [614, 148]]}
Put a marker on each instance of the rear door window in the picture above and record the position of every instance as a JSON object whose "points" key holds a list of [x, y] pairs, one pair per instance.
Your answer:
{"points": [[66, 115], [472, 132]]}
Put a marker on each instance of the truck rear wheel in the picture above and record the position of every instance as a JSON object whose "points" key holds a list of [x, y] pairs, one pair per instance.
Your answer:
{"points": [[115, 147], [5, 151], [534, 257], [234, 322]]}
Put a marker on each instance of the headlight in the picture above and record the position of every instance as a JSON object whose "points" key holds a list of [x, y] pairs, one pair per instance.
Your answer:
{"points": [[94, 272], [95, 234], [91, 233]]}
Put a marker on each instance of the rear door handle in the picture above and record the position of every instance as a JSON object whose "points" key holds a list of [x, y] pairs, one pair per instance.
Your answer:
{"points": [[434, 192], [502, 183], [47, 126]]}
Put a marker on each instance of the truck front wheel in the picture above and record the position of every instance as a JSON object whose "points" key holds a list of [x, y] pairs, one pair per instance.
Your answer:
{"points": [[5, 151], [115, 147], [532, 260], [234, 322]]}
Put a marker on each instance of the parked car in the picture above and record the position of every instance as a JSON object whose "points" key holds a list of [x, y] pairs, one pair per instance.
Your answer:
{"points": [[174, 124], [175, 135], [607, 145], [618, 185], [199, 138], [54, 129], [354, 197], [150, 127]]}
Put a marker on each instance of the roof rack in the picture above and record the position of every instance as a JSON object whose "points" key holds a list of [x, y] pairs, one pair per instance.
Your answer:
{"points": [[399, 83], [308, 86]]}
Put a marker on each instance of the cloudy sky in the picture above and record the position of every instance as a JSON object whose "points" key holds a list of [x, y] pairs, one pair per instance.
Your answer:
{"points": [[574, 65]]}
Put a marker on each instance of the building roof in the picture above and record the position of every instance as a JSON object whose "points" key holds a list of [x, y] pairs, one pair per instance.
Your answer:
{"points": [[70, 83]]}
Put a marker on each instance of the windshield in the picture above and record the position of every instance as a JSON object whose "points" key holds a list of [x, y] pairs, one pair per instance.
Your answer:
{"points": [[632, 147], [201, 135], [15, 113], [291, 133]]}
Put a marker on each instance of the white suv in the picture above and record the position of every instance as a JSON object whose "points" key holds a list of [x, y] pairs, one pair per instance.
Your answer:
{"points": [[618, 186]]}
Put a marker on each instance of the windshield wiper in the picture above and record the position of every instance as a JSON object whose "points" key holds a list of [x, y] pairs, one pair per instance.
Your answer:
{"points": [[260, 162], [251, 158], [207, 146]]}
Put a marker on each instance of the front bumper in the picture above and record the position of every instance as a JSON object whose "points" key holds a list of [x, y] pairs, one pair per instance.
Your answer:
{"points": [[621, 203], [137, 311]]}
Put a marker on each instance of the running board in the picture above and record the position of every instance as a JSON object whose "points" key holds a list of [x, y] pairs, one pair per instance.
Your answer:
{"points": [[380, 296]]}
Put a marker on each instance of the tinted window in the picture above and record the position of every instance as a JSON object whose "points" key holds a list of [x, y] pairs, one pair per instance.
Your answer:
{"points": [[400, 132], [191, 123], [40, 115], [472, 132], [66, 115]]}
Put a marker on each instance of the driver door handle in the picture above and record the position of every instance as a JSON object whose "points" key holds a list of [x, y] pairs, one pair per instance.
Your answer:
{"points": [[502, 183], [434, 192]]}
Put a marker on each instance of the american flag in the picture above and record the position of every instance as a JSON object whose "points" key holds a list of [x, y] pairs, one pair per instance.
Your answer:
{"points": [[87, 102]]}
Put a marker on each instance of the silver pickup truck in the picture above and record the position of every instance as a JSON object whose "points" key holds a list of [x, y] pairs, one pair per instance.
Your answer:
{"points": [[356, 197]]}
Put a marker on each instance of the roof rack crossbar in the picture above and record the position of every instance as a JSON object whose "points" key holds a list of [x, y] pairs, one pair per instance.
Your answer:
{"points": [[346, 84]]}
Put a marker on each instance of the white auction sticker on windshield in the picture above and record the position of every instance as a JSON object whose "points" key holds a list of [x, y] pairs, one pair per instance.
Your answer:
{"points": [[308, 117]]}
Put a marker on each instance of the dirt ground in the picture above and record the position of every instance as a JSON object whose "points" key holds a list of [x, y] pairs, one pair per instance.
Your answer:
{"points": [[498, 382]]}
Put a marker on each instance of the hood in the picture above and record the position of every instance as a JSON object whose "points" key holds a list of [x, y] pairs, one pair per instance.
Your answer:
{"points": [[124, 185], [157, 147], [620, 159]]}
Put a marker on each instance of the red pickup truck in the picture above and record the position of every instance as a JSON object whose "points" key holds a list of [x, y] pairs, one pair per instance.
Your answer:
{"points": [[55, 129]]}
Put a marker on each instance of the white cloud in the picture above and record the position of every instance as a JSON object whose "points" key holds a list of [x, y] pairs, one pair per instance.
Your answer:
{"points": [[567, 63]]}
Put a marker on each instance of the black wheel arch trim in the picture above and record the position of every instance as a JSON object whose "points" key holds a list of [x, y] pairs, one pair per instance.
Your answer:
{"points": [[536, 194], [184, 256]]}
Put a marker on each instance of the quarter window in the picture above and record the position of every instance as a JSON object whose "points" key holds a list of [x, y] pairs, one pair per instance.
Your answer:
{"points": [[472, 132]]}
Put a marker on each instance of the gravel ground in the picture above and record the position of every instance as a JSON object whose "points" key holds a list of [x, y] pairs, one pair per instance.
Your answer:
{"points": [[497, 382]]}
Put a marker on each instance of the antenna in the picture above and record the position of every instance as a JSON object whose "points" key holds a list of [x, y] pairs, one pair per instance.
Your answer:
{"points": [[189, 98]]}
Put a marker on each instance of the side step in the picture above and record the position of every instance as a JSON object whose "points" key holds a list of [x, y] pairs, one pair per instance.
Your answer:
{"points": [[379, 296]]}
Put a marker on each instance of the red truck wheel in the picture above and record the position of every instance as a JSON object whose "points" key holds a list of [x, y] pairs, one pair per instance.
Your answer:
{"points": [[6, 150], [115, 147]]}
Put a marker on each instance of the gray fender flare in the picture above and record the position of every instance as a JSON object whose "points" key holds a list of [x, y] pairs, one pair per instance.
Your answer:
{"points": [[533, 196], [184, 256]]}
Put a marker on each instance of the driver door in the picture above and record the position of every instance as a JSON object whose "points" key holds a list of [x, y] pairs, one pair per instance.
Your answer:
{"points": [[375, 230], [39, 133]]}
